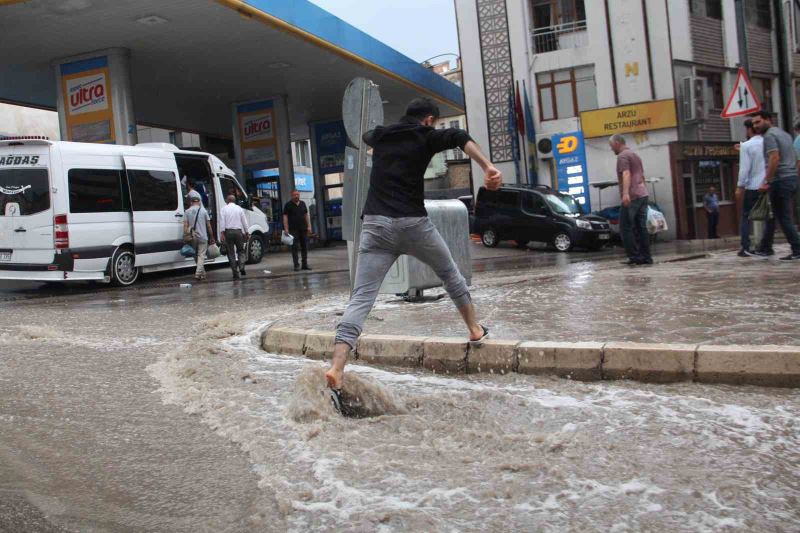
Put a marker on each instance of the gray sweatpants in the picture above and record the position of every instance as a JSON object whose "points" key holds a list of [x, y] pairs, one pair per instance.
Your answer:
{"points": [[383, 240]]}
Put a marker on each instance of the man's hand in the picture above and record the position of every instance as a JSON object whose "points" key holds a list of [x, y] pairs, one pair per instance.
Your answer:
{"points": [[222, 237], [739, 193], [626, 200], [493, 178], [309, 232], [764, 187]]}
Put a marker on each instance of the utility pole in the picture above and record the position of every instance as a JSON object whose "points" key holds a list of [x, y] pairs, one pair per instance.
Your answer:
{"points": [[741, 32], [785, 76]]}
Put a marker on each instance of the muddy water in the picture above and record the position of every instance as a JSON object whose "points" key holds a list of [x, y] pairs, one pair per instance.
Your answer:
{"points": [[723, 299], [510, 453]]}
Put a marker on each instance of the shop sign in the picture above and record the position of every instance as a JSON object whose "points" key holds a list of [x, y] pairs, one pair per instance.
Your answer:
{"points": [[570, 159], [708, 150], [629, 119], [86, 90], [258, 144]]}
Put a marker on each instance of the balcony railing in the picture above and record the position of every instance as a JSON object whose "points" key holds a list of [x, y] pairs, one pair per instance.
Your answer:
{"points": [[560, 37]]}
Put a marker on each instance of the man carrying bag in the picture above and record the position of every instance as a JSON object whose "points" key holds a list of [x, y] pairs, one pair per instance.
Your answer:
{"points": [[199, 234]]}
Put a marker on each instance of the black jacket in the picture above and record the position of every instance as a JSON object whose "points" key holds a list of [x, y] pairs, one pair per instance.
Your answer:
{"points": [[401, 154]]}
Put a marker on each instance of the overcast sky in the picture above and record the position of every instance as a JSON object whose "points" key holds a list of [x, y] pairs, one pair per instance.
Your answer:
{"points": [[419, 29]]}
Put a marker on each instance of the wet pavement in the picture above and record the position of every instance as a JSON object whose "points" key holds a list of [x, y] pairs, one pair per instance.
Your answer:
{"points": [[153, 409]]}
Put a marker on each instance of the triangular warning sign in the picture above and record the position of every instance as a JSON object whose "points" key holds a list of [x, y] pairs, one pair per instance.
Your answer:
{"points": [[743, 99]]}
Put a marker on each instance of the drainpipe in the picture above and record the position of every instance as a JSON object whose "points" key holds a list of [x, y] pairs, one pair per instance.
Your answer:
{"points": [[785, 77]]}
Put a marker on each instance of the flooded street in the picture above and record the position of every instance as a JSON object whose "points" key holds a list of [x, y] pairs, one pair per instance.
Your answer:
{"points": [[155, 410]]}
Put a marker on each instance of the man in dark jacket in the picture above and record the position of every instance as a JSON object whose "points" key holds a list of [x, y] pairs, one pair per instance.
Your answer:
{"points": [[396, 222]]}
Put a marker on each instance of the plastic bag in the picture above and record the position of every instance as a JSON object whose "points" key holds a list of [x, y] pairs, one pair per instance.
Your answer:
{"points": [[656, 222], [763, 208], [187, 251], [213, 251], [287, 239]]}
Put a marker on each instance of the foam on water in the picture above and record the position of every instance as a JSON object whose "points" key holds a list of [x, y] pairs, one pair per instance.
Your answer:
{"points": [[493, 452]]}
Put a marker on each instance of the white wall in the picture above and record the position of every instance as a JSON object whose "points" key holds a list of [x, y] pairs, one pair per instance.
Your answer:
{"points": [[18, 120], [679, 23]]}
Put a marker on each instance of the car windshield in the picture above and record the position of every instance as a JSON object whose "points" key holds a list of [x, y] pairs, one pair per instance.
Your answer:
{"points": [[563, 204]]}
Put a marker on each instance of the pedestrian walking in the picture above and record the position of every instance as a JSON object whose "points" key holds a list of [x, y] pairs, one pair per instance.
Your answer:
{"points": [[396, 222], [751, 177], [781, 182], [711, 206], [297, 223], [635, 200], [233, 232], [197, 222]]}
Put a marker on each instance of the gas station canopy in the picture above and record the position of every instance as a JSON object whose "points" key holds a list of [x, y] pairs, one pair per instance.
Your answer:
{"points": [[190, 60]]}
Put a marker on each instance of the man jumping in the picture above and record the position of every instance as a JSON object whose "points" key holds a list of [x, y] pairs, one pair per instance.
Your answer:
{"points": [[395, 221]]}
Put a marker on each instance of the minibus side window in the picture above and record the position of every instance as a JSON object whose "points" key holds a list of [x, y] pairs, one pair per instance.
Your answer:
{"points": [[93, 190], [153, 190]]}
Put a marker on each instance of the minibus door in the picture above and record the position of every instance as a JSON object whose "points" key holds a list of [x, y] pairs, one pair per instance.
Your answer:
{"points": [[157, 206]]}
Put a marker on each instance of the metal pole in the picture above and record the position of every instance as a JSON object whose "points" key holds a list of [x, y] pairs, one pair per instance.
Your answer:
{"points": [[785, 76], [741, 33]]}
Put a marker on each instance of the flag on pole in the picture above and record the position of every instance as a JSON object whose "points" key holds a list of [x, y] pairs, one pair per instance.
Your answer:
{"points": [[512, 130], [530, 129], [519, 115]]}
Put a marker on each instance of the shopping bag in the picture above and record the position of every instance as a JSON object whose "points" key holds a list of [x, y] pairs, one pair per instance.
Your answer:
{"points": [[213, 251], [656, 222], [187, 251], [763, 208]]}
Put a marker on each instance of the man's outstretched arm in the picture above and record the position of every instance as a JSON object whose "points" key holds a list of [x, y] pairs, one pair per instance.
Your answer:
{"points": [[493, 178]]}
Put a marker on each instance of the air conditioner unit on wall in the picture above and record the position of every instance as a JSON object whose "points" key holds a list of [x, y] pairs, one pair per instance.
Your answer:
{"points": [[544, 147], [693, 99]]}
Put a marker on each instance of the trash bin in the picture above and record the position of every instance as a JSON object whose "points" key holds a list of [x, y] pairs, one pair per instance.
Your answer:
{"points": [[408, 275]]}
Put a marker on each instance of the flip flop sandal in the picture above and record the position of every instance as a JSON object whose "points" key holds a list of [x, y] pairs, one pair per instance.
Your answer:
{"points": [[336, 399], [485, 336]]}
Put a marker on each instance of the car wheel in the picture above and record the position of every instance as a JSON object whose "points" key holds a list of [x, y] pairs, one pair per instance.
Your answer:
{"points": [[123, 268], [255, 250], [562, 242], [522, 244], [489, 238]]}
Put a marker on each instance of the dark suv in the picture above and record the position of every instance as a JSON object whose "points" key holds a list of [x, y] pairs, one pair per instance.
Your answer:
{"points": [[540, 214]]}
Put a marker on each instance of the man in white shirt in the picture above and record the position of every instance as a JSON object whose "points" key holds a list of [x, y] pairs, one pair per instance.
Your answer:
{"points": [[751, 177], [233, 232]]}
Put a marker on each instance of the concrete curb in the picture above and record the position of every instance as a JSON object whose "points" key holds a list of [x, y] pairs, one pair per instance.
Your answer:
{"points": [[770, 366]]}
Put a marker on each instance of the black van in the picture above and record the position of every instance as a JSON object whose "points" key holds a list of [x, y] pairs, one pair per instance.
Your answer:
{"points": [[537, 213]]}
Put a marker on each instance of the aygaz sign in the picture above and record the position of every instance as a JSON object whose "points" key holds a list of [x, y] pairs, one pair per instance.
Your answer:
{"points": [[629, 118]]}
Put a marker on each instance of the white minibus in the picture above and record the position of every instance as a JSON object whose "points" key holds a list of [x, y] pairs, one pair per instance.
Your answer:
{"points": [[79, 211]]}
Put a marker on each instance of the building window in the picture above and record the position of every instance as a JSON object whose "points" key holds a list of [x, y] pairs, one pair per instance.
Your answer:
{"points": [[797, 25], [763, 88], [714, 95], [558, 24], [565, 93], [548, 13], [707, 8], [759, 13], [301, 153]]}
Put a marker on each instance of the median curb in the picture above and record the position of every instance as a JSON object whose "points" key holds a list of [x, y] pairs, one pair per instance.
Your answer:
{"points": [[770, 366]]}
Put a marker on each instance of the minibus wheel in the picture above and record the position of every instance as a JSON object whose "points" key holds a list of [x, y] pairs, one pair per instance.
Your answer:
{"points": [[255, 249], [123, 269]]}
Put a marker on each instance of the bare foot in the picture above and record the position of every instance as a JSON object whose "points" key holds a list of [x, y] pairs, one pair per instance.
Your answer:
{"points": [[334, 378]]}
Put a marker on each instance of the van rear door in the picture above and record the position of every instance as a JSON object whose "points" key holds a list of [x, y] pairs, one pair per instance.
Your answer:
{"points": [[26, 208], [157, 209]]}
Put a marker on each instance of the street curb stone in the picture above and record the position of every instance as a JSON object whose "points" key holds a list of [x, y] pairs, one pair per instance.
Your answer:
{"points": [[394, 350], [286, 341], [319, 345], [657, 363], [771, 366], [492, 357], [749, 365], [577, 360], [445, 356]]}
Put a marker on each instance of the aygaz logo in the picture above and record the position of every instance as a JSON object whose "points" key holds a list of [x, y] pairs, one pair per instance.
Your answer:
{"points": [[87, 94], [567, 145], [257, 128]]}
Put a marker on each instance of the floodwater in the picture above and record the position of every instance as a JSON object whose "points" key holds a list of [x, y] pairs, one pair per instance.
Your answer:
{"points": [[722, 299], [155, 410], [502, 453]]}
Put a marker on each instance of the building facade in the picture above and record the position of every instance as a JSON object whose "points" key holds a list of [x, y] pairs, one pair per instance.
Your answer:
{"points": [[657, 71]]}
